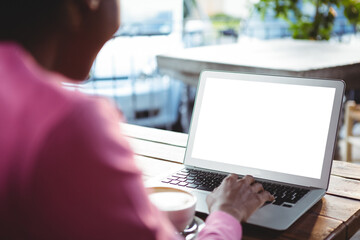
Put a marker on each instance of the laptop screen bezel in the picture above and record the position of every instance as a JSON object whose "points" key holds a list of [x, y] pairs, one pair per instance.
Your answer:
{"points": [[323, 182]]}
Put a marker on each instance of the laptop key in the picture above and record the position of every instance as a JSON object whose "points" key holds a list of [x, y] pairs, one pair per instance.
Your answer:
{"points": [[205, 188], [287, 205], [278, 202], [167, 180], [192, 185], [174, 182], [182, 174], [197, 182]]}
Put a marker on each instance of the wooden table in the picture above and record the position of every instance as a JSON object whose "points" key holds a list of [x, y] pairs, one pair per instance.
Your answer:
{"points": [[278, 57], [336, 216]]}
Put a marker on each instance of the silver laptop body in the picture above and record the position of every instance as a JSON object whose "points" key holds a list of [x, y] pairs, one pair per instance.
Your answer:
{"points": [[277, 129]]}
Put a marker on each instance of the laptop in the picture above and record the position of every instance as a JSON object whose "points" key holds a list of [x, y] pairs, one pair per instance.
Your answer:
{"points": [[281, 130]]}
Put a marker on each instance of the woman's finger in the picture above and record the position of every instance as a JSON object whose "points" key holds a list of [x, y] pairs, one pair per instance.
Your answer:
{"points": [[257, 187], [248, 179]]}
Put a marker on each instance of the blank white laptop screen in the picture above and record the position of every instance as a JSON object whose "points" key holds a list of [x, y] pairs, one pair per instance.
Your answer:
{"points": [[263, 125]]}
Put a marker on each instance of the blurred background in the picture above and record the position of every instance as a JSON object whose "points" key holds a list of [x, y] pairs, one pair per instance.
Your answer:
{"points": [[126, 72]]}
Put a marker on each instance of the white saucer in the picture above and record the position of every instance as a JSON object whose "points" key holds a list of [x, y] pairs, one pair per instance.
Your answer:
{"points": [[193, 229]]}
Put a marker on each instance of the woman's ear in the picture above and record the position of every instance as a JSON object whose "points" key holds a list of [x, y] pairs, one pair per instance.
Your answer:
{"points": [[75, 11]]}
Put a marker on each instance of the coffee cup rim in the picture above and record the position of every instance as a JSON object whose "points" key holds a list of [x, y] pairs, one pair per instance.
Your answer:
{"points": [[172, 189]]}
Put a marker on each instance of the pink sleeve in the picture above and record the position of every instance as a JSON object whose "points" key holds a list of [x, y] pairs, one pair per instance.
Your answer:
{"points": [[221, 226], [86, 184]]}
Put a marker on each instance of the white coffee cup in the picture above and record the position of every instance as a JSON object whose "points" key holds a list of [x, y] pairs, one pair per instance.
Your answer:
{"points": [[178, 205]]}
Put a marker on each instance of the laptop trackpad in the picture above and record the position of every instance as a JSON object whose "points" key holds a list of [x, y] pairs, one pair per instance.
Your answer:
{"points": [[201, 205]]}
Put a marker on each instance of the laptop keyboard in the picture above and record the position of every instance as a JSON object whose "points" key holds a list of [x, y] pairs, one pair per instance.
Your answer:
{"points": [[285, 196]]}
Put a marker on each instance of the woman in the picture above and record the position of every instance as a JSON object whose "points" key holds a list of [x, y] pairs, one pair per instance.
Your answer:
{"points": [[65, 171]]}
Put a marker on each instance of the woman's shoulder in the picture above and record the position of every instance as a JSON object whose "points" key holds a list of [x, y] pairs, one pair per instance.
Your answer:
{"points": [[36, 100]]}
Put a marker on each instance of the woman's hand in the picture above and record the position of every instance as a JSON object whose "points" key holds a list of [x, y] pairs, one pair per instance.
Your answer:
{"points": [[238, 197]]}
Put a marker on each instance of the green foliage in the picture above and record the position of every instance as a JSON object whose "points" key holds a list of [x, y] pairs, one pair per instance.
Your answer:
{"points": [[317, 26], [222, 22], [352, 10]]}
